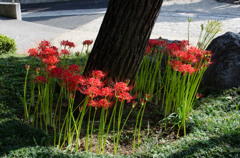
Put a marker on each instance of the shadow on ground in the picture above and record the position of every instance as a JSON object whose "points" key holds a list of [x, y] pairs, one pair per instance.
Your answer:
{"points": [[230, 140], [15, 134]]}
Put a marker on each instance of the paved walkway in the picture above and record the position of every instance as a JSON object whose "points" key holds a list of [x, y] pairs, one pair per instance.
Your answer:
{"points": [[171, 23]]}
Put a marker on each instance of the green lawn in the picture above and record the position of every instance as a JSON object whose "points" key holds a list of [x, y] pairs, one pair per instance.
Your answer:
{"points": [[213, 128]]}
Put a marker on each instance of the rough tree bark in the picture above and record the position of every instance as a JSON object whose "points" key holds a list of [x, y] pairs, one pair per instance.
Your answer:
{"points": [[123, 36]]}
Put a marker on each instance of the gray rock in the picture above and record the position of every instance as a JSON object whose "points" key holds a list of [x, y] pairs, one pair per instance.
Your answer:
{"points": [[225, 71]]}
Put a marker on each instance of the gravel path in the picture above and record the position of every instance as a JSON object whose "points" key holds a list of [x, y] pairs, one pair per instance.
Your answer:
{"points": [[172, 21]]}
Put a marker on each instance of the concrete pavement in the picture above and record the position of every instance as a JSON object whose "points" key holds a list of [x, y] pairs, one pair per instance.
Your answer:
{"points": [[171, 23]]}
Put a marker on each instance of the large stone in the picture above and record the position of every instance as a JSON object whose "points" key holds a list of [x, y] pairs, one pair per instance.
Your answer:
{"points": [[225, 71]]}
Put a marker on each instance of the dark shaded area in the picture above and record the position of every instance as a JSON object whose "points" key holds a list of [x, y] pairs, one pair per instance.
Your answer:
{"points": [[14, 134], [80, 4], [231, 140], [225, 70], [229, 1]]}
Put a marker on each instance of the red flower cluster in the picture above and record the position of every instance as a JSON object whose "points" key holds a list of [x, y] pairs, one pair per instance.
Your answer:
{"points": [[103, 94], [184, 56], [171, 47], [154, 45], [46, 53], [67, 44], [40, 80], [69, 76], [100, 92], [177, 46], [155, 42], [87, 42], [179, 66], [74, 69], [189, 60], [64, 52], [49, 55]]}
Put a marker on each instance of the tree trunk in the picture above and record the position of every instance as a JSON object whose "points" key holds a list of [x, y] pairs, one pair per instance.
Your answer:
{"points": [[123, 36]]}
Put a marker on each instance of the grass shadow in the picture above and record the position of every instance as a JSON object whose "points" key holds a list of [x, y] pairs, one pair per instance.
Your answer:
{"points": [[229, 142]]}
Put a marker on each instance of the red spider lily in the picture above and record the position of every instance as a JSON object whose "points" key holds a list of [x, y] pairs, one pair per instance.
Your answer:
{"points": [[81, 80], [196, 52], [172, 47], [50, 67], [125, 96], [98, 74], [73, 68], [51, 60], [67, 43], [40, 80], [54, 48], [103, 103], [71, 81], [175, 64], [148, 50], [95, 82], [64, 52], [56, 72], [71, 85], [179, 66], [121, 87], [162, 43], [33, 52], [92, 103], [44, 51], [87, 42], [106, 91], [207, 53], [43, 45], [66, 76], [187, 68], [185, 56], [184, 44], [47, 53], [92, 92], [153, 42]]}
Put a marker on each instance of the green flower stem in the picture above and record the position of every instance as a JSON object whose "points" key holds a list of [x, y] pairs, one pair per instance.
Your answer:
{"points": [[82, 113], [24, 98], [118, 126], [32, 101], [109, 124], [123, 126], [54, 118], [61, 131], [95, 111], [140, 125], [87, 134], [136, 127]]}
